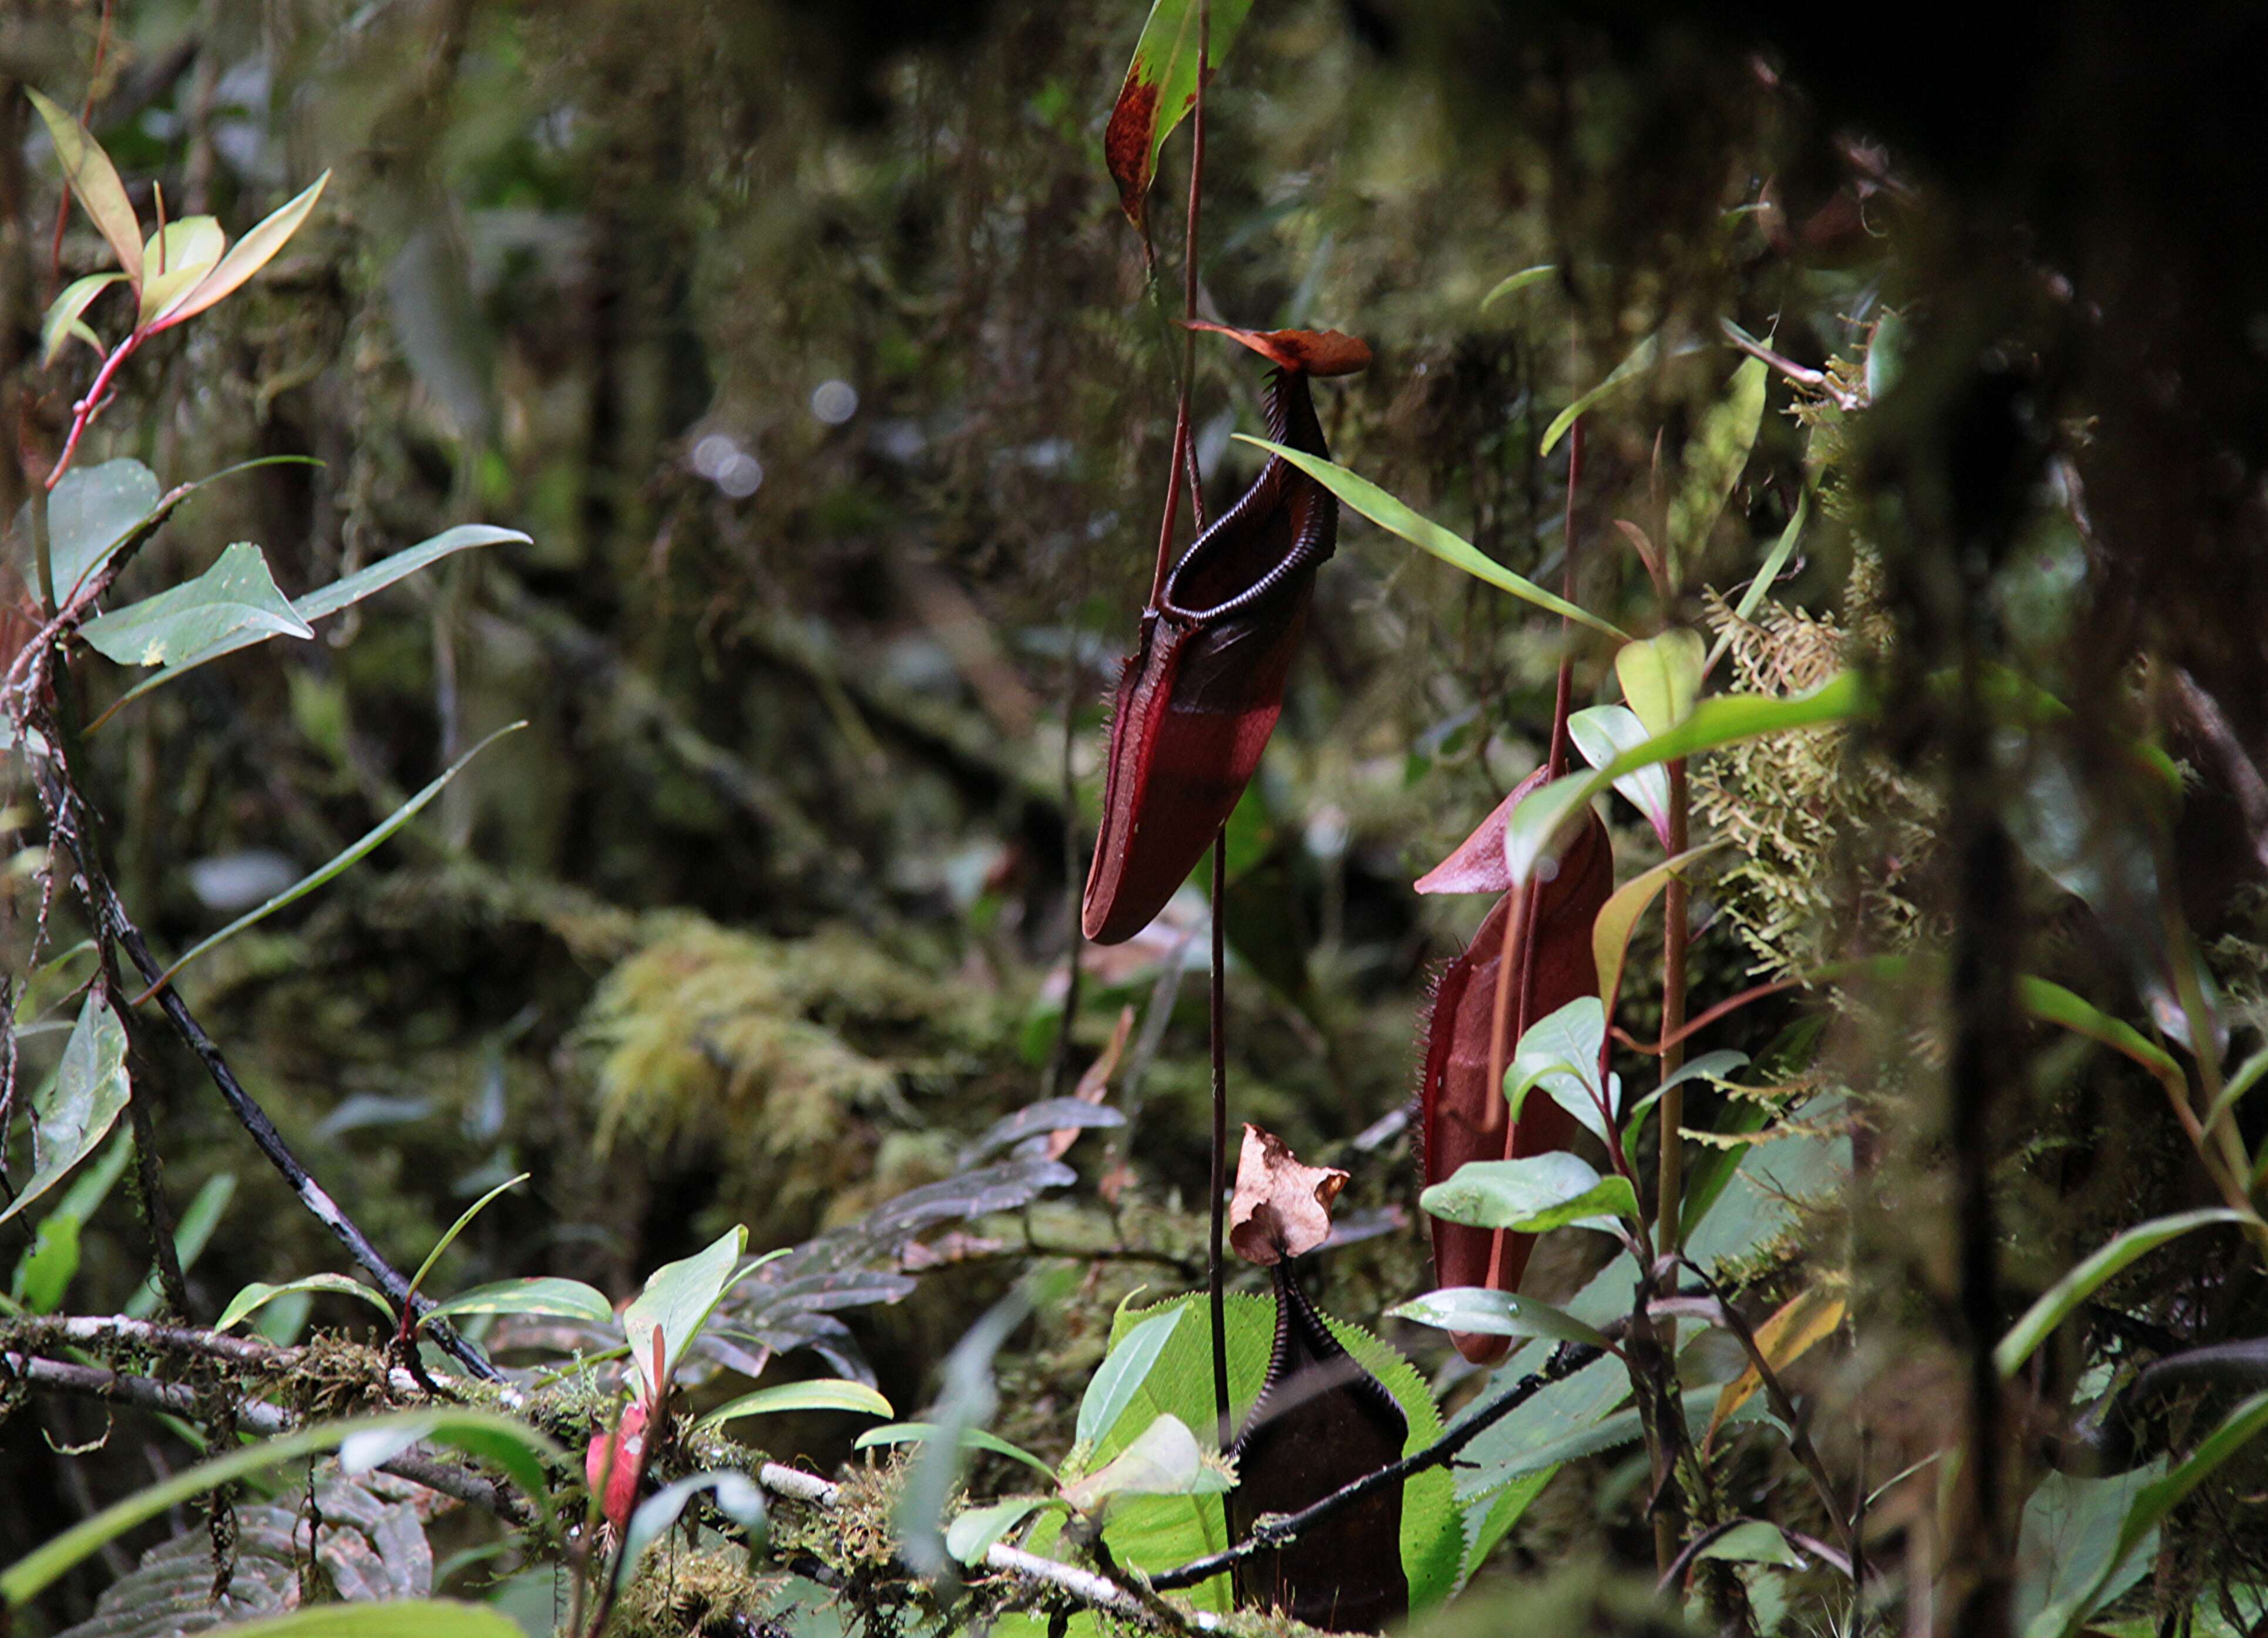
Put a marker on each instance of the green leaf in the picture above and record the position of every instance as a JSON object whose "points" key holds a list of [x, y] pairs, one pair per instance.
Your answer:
{"points": [[63, 319], [2157, 1500], [1720, 720], [259, 1294], [481, 1431], [370, 842], [1661, 677], [191, 1235], [1518, 281], [1640, 360], [93, 510], [327, 600], [736, 1497], [463, 1222], [74, 1110], [399, 1618], [251, 254], [1559, 1051], [2070, 1539], [235, 594], [173, 260], [977, 1531], [1163, 1460], [2056, 1303], [1541, 1193], [1761, 586], [826, 1393], [1752, 1541], [1160, 88], [1485, 1313], [2247, 1076], [1714, 458], [94, 183], [1422, 533], [677, 1300], [971, 1439], [44, 1273], [1603, 732], [2052, 1003], [1121, 1375], [570, 1298], [1618, 918]]}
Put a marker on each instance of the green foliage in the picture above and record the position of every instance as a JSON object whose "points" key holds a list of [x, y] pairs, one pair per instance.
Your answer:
{"points": [[74, 1112]]}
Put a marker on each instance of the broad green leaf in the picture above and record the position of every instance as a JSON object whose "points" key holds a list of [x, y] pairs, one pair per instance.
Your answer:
{"points": [[191, 1235], [1518, 281], [1428, 536], [677, 1300], [1801, 1324], [829, 1394], [92, 510], [481, 1432], [1534, 1195], [2057, 1303], [1775, 561], [1559, 1052], [1618, 918], [1120, 1377], [2070, 1538], [569, 1298], [1720, 720], [174, 259], [1661, 677], [74, 1110], [399, 1618], [1485, 1313], [259, 1294], [1714, 458], [1640, 360], [971, 1439], [249, 254], [1163, 1460], [1886, 354], [369, 843], [2157, 1500], [94, 183], [327, 600], [44, 1273], [1752, 1541], [976, 1530], [2052, 1003], [1160, 88], [736, 1497], [464, 1221], [65, 320], [235, 594], [1603, 732]]}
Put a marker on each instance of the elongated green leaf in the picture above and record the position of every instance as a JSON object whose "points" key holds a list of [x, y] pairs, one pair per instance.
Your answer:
{"points": [[1428, 536], [1484, 1312], [971, 1439], [2243, 1424], [570, 1298], [463, 1429], [369, 843], [1518, 281], [1775, 561], [677, 1300], [398, 1617], [1720, 720], [976, 1530], [259, 1294], [1160, 88], [1640, 360], [1534, 1195], [44, 1273], [94, 183], [174, 259], [64, 319], [2052, 1003], [325, 601], [1603, 732], [2232, 1092], [1619, 917], [251, 254], [829, 1394], [191, 1235], [236, 593], [736, 1497], [1121, 1375], [1661, 677], [463, 1222], [1714, 458], [2058, 1300], [74, 1112]]}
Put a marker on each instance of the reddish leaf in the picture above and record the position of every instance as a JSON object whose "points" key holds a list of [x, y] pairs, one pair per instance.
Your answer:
{"points": [[611, 1464], [1478, 866], [1160, 88], [1461, 1116], [1199, 698], [1316, 352], [1322, 1421]]}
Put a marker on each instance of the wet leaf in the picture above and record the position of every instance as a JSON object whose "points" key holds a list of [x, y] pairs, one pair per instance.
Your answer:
{"points": [[1160, 88], [236, 594], [94, 183], [73, 1112], [1281, 1209]]}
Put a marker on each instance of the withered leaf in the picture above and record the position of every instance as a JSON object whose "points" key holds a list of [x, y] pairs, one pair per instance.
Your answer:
{"points": [[1282, 1207]]}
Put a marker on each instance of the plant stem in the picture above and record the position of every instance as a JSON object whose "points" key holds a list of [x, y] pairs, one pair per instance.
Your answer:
{"points": [[1220, 1019]]}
